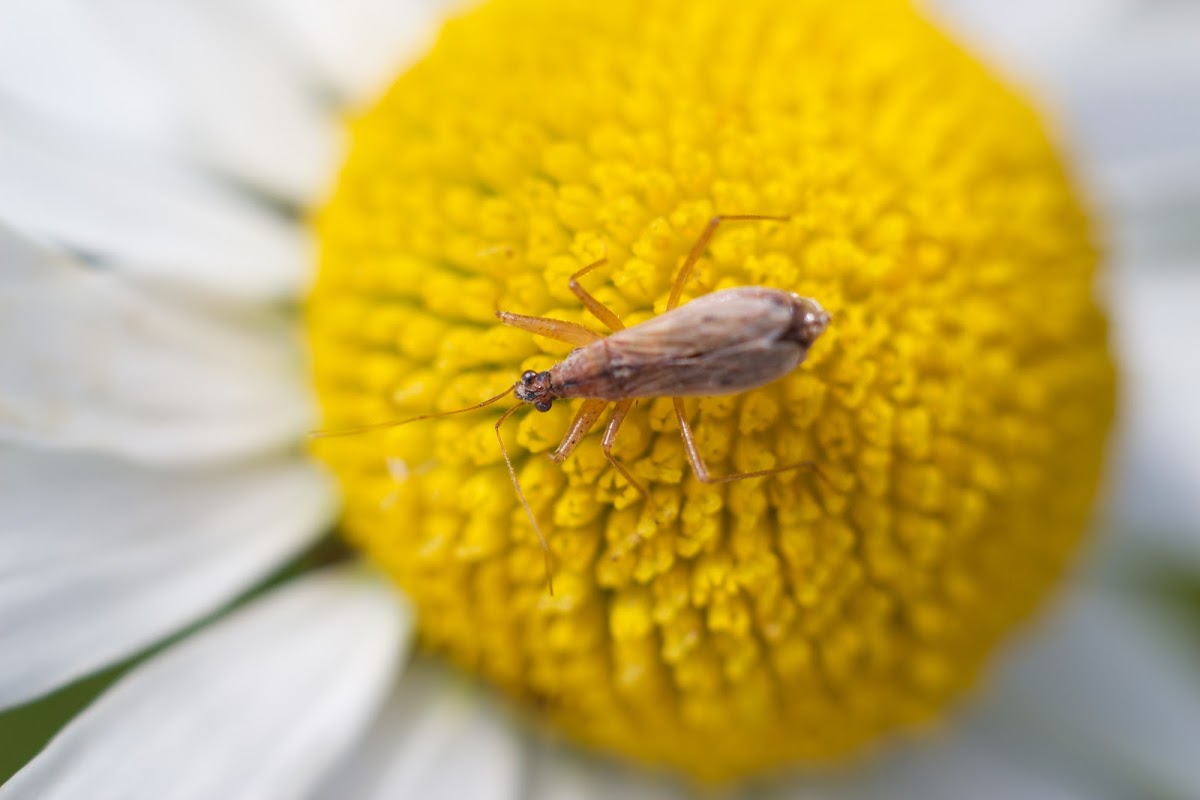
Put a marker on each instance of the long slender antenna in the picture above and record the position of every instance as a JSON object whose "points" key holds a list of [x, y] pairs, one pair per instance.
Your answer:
{"points": [[379, 426], [512, 473]]}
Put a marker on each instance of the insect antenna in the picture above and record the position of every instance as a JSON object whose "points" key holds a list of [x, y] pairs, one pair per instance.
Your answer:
{"points": [[395, 423], [512, 473]]}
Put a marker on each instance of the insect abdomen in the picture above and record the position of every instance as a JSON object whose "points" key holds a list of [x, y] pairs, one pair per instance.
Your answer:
{"points": [[722, 343]]}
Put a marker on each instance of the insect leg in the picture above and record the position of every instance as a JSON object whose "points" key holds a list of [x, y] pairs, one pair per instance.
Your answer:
{"points": [[589, 412], [610, 438], [563, 331], [702, 474], [598, 309], [698, 249], [512, 473]]}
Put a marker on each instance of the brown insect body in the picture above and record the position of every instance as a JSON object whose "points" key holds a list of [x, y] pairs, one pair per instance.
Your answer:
{"points": [[722, 343], [725, 342]]}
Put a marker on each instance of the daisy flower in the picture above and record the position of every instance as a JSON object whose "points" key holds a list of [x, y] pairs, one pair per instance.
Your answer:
{"points": [[199, 251]]}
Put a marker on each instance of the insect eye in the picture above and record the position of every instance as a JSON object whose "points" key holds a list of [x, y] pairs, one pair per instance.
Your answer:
{"points": [[542, 405], [528, 375]]}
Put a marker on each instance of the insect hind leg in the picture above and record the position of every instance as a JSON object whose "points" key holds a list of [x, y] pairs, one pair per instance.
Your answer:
{"points": [[701, 470]]}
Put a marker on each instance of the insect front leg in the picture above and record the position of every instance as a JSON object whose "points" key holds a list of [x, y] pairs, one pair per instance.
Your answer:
{"points": [[557, 329], [702, 473], [588, 413]]}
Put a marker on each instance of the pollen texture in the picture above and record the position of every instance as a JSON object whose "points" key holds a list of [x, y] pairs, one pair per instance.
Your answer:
{"points": [[957, 406]]}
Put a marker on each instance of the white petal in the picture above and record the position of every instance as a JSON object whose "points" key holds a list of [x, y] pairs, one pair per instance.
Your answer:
{"points": [[955, 762], [1157, 328], [959, 765], [62, 59], [1124, 79], [1134, 108], [1031, 40], [1119, 78], [95, 361], [561, 772], [1155, 224], [437, 740], [443, 739], [357, 45], [260, 705], [100, 558], [952, 764], [1135, 94], [250, 110], [1105, 688], [145, 212], [1102, 703], [194, 74]]}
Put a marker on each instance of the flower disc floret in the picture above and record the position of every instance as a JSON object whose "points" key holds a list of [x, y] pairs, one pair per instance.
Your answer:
{"points": [[957, 406]]}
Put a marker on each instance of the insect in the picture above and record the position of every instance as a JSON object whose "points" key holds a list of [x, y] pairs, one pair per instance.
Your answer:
{"points": [[725, 342]]}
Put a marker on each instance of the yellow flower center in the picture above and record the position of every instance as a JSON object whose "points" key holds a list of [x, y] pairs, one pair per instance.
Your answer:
{"points": [[957, 405]]}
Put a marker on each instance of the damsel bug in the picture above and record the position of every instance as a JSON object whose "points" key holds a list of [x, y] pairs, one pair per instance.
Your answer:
{"points": [[725, 342]]}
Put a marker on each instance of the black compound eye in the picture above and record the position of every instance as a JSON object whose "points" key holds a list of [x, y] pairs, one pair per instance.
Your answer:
{"points": [[542, 405], [528, 375]]}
